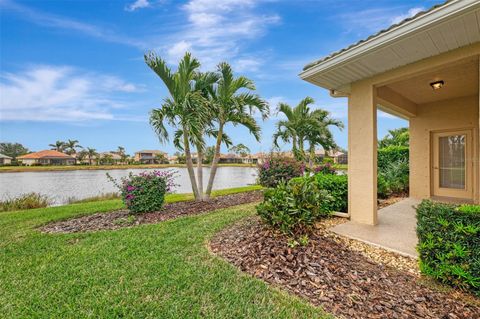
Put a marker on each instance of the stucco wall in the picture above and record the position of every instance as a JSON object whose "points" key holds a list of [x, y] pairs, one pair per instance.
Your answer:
{"points": [[459, 113]]}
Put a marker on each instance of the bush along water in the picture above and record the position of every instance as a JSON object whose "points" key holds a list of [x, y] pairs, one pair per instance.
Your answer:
{"points": [[449, 243], [146, 191], [25, 201], [277, 169], [295, 206]]}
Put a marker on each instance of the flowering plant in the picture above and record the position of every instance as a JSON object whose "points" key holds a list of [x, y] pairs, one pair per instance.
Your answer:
{"points": [[326, 168], [146, 191], [276, 169]]}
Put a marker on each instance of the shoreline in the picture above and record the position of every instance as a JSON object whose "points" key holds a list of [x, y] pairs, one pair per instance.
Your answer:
{"points": [[20, 169]]}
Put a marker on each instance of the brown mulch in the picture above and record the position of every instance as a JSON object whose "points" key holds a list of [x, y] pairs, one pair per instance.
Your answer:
{"points": [[382, 203], [343, 281], [123, 218]]}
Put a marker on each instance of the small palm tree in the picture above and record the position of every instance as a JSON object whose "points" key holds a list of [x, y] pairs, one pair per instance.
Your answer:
{"points": [[71, 146], [58, 146], [91, 154], [123, 155], [185, 109], [302, 125]]}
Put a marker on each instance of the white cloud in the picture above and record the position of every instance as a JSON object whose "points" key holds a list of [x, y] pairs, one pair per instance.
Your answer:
{"points": [[412, 12], [375, 19], [50, 93], [138, 4], [64, 23], [217, 31]]}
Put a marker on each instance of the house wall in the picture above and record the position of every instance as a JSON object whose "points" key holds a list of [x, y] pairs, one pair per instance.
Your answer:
{"points": [[28, 161], [459, 113]]}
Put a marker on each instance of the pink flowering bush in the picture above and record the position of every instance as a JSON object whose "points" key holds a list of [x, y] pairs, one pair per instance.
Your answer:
{"points": [[276, 169], [326, 168], [146, 191]]}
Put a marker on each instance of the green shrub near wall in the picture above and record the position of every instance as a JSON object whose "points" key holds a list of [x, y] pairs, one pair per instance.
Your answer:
{"points": [[337, 187], [294, 206], [392, 154], [449, 243]]}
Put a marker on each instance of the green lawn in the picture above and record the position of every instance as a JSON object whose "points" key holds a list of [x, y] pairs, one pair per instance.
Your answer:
{"points": [[152, 271]]}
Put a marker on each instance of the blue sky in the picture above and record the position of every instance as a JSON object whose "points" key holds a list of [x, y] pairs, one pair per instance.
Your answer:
{"points": [[75, 70]]}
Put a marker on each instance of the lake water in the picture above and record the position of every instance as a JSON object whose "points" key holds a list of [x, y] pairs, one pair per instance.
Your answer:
{"points": [[80, 184]]}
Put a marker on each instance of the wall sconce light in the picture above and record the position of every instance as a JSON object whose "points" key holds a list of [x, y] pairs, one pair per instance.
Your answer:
{"points": [[437, 85]]}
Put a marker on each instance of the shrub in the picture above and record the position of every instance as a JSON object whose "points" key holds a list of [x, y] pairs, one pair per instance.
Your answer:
{"points": [[25, 201], [449, 243], [324, 169], [276, 169], [391, 154], [393, 179], [337, 188], [145, 192], [294, 206]]}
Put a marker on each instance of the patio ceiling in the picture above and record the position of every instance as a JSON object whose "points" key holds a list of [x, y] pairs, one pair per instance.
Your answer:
{"points": [[441, 29], [460, 78]]}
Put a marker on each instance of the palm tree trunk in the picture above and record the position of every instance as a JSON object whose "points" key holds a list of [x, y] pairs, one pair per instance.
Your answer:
{"points": [[294, 146], [200, 172], [216, 158], [189, 162], [311, 157]]}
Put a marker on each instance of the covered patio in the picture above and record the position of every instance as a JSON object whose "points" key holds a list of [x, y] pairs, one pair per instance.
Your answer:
{"points": [[426, 70]]}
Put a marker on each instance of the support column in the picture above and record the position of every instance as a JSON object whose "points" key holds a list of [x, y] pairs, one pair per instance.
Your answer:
{"points": [[362, 154]]}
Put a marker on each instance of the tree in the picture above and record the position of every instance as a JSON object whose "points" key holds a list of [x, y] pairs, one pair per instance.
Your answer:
{"points": [[13, 149], [160, 158], [240, 149], [209, 154], [58, 146], [106, 159], [304, 125], [123, 155], [180, 157], [185, 109], [91, 154], [396, 137], [70, 146], [233, 102]]}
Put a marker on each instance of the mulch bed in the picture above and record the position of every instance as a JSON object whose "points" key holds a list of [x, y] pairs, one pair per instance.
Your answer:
{"points": [[382, 203], [123, 218], [343, 281]]}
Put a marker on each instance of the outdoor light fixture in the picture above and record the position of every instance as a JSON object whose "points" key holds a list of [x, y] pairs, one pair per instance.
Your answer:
{"points": [[437, 85]]}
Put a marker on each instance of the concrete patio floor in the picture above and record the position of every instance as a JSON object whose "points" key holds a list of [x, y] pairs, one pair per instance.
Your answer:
{"points": [[395, 230]]}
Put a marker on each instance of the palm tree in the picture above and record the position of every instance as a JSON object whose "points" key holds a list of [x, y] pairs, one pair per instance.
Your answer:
{"points": [[71, 146], [303, 125], [91, 153], [233, 102], [185, 109], [58, 146], [123, 155]]}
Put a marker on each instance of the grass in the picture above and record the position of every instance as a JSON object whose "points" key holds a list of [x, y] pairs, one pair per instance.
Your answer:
{"points": [[25, 201], [171, 198], [13, 169], [342, 167], [151, 271]]}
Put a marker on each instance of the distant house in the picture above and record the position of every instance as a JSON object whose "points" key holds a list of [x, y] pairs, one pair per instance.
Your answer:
{"points": [[110, 158], [149, 156], [5, 160], [173, 159], [47, 157], [337, 156]]}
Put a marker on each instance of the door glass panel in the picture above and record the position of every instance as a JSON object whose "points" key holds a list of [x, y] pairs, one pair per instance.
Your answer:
{"points": [[452, 161]]}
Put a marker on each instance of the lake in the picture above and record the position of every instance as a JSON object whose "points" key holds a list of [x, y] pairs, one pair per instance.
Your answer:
{"points": [[60, 186]]}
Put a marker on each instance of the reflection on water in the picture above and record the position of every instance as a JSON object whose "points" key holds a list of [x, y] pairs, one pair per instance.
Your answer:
{"points": [[62, 185]]}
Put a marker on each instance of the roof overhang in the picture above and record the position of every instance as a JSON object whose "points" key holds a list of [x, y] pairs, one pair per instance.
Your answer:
{"points": [[441, 29]]}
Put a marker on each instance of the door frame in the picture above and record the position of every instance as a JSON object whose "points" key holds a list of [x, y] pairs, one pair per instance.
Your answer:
{"points": [[470, 149]]}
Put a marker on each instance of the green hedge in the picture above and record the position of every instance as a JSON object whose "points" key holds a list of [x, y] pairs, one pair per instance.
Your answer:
{"points": [[449, 243], [294, 206], [337, 187], [392, 154]]}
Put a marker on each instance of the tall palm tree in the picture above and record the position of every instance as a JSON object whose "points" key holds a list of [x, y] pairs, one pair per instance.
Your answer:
{"points": [[302, 125], [233, 102], [123, 155], [71, 146], [91, 153], [58, 146], [185, 109]]}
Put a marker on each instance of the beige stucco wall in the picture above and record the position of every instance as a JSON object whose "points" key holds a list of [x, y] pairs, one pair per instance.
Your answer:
{"points": [[459, 113]]}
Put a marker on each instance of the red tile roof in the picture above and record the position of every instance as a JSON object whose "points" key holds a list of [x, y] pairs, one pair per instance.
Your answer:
{"points": [[46, 154]]}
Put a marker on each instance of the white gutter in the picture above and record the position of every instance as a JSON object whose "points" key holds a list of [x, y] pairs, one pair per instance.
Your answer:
{"points": [[433, 17]]}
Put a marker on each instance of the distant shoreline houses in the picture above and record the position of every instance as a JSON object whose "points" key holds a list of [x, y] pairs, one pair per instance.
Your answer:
{"points": [[52, 157]]}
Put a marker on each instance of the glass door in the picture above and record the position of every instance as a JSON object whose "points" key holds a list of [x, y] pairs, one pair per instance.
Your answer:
{"points": [[452, 164]]}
